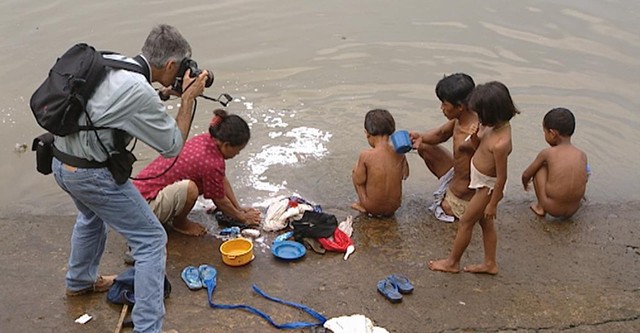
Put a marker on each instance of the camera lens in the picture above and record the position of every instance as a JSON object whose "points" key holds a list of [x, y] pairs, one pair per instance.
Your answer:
{"points": [[209, 81]]}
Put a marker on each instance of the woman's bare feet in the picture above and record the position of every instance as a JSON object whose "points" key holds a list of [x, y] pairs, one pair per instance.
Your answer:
{"points": [[536, 208], [357, 206], [482, 269], [189, 228], [444, 265]]}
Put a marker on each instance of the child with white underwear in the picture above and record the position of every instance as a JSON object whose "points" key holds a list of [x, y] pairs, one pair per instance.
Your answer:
{"points": [[494, 106]]}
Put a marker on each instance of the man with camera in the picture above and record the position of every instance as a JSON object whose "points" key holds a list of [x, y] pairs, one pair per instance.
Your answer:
{"points": [[126, 101]]}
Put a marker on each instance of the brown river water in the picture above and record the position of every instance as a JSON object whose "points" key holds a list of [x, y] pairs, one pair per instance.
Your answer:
{"points": [[304, 73]]}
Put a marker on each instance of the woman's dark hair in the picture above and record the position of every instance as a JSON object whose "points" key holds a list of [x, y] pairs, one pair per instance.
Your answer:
{"points": [[561, 120], [379, 122], [492, 102], [229, 128], [455, 88]]}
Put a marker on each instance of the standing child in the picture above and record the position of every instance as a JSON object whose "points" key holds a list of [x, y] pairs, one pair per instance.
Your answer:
{"points": [[559, 172], [494, 106], [379, 172]]}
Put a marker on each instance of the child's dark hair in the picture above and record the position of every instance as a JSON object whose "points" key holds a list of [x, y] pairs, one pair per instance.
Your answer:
{"points": [[455, 88], [492, 102], [561, 120], [379, 122], [229, 128]]}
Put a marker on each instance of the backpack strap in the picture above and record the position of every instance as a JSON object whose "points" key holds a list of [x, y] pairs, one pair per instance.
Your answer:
{"points": [[141, 68]]}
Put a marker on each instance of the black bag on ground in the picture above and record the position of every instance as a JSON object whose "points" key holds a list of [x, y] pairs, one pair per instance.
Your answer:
{"points": [[314, 225], [42, 145], [121, 292]]}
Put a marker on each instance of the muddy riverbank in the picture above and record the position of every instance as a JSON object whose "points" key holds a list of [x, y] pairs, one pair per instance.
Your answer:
{"points": [[580, 275]]}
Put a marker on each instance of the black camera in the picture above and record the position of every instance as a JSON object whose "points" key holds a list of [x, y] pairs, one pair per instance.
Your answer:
{"points": [[190, 64]]}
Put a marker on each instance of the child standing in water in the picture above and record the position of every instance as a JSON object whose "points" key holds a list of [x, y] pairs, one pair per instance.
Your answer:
{"points": [[494, 106], [379, 172], [559, 172]]}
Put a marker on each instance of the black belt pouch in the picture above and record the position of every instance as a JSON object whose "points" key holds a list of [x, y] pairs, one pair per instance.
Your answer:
{"points": [[121, 165], [43, 146]]}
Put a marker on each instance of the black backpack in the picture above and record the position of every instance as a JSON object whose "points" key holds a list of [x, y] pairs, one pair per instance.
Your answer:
{"points": [[60, 100]]}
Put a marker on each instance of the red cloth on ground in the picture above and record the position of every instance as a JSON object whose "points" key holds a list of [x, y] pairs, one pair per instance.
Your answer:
{"points": [[339, 243]]}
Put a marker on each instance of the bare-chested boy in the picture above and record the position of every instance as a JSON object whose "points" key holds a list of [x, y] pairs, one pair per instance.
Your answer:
{"points": [[453, 194], [559, 172], [494, 106], [379, 172]]}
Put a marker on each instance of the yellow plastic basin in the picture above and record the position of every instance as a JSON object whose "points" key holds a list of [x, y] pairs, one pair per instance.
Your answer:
{"points": [[237, 252]]}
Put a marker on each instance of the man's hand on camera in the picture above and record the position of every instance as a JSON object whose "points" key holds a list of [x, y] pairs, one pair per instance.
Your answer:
{"points": [[193, 87], [166, 92]]}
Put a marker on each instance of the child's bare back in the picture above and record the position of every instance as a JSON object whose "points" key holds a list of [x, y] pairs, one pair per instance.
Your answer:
{"points": [[379, 172], [385, 170], [559, 173], [566, 180], [560, 181]]}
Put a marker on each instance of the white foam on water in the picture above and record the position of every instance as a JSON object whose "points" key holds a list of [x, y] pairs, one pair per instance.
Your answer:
{"points": [[287, 146], [300, 145]]}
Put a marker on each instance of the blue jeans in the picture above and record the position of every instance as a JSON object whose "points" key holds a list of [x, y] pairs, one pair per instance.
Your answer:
{"points": [[101, 203]]}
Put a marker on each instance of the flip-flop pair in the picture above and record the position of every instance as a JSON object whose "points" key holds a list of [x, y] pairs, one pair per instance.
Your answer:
{"points": [[393, 286], [196, 278]]}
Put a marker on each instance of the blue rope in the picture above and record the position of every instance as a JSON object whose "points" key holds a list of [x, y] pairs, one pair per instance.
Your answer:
{"points": [[211, 286]]}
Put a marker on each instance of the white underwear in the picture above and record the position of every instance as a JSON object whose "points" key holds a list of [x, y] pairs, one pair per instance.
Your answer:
{"points": [[480, 180]]}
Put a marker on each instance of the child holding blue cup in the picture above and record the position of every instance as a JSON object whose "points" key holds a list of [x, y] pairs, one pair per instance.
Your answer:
{"points": [[379, 171]]}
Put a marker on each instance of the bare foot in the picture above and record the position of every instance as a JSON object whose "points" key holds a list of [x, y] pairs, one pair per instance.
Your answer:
{"points": [[536, 208], [482, 269], [444, 265], [357, 206], [189, 228]]}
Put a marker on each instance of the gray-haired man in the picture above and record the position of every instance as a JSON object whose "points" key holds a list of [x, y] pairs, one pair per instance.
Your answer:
{"points": [[126, 101]]}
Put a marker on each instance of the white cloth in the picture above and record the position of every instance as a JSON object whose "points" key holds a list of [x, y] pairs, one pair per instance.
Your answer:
{"points": [[347, 226], [353, 324], [480, 180], [438, 196], [279, 214]]}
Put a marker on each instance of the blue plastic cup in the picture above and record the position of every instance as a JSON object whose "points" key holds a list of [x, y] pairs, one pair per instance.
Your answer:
{"points": [[401, 141]]}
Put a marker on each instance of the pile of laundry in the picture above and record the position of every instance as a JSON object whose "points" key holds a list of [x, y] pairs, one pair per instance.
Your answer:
{"points": [[311, 226]]}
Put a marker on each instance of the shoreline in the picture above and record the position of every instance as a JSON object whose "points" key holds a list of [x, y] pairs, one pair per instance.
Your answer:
{"points": [[579, 275]]}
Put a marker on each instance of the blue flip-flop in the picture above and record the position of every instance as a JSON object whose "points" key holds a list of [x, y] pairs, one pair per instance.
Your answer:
{"points": [[208, 275], [191, 276], [402, 282], [207, 272], [389, 290]]}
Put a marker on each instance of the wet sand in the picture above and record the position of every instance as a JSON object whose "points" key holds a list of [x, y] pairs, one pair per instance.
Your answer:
{"points": [[580, 275]]}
